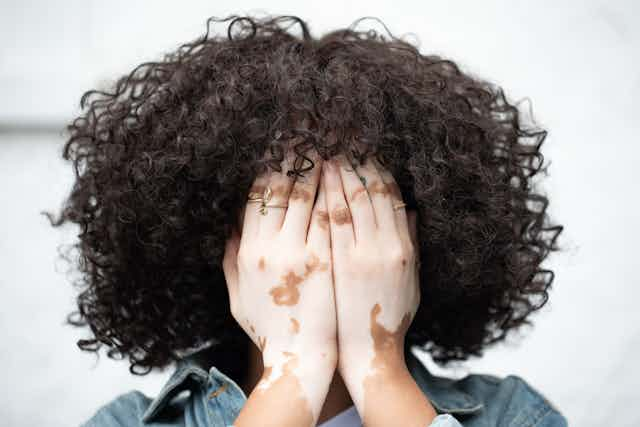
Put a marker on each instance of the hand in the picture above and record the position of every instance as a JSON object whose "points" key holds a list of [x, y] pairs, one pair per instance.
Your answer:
{"points": [[280, 289], [377, 291]]}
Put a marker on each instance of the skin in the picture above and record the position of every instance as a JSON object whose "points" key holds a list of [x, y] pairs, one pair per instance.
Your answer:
{"points": [[336, 281]]}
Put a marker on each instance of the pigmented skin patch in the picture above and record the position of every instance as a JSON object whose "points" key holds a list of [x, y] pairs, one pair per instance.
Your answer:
{"points": [[387, 362], [341, 216], [261, 263], [394, 190], [358, 192], [378, 187], [300, 193], [287, 292], [295, 326], [280, 193], [323, 219], [287, 385]]}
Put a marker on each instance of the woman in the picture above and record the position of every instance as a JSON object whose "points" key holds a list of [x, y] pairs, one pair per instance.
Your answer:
{"points": [[285, 218]]}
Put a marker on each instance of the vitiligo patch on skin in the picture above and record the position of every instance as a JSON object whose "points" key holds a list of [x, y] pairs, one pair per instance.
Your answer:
{"points": [[295, 326], [287, 292], [284, 384], [384, 341], [387, 362]]}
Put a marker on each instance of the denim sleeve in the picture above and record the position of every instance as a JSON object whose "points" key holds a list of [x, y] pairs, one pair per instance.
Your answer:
{"points": [[552, 419], [445, 420], [124, 411]]}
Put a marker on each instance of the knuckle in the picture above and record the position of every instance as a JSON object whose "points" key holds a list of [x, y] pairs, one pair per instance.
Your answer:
{"points": [[397, 256], [321, 217], [340, 215], [301, 192], [380, 189], [280, 191], [361, 259], [283, 260], [359, 195]]}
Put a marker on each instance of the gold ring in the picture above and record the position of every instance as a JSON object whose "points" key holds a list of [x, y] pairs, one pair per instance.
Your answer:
{"points": [[263, 199], [263, 208], [399, 205]]}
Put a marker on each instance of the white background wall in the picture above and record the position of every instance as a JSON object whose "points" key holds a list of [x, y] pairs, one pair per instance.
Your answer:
{"points": [[577, 60]]}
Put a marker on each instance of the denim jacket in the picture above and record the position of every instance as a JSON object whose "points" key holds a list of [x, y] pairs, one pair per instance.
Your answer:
{"points": [[214, 399]]}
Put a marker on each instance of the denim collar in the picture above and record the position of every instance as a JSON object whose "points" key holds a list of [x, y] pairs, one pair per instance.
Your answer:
{"points": [[443, 393]]}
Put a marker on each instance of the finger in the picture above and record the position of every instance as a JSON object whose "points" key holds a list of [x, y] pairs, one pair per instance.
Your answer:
{"points": [[280, 185], [412, 219], [301, 201], [364, 222], [251, 215], [396, 198], [319, 237], [241, 215], [381, 199], [230, 265], [340, 222]]}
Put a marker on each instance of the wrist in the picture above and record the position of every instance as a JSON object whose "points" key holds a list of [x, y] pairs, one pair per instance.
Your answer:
{"points": [[388, 358], [305, 377], [291, 391], [385, 393], [316, 367], [355, 373]]}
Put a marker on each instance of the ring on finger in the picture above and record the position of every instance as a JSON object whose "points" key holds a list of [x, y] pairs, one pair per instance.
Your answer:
{"points": [[263, 198]]}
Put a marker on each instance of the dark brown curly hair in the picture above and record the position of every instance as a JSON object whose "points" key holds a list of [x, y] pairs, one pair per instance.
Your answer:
{"points": [[164, 160]]}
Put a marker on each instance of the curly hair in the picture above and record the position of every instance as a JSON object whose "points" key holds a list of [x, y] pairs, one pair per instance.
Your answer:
{"points": [[165, 157]]}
